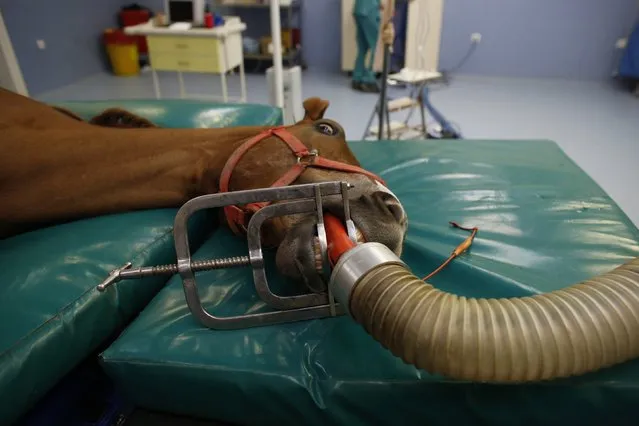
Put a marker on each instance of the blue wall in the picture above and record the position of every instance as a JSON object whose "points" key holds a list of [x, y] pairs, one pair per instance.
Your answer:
{"points": [[322, 36], [72, 31], [536, 38], [521, 38]]}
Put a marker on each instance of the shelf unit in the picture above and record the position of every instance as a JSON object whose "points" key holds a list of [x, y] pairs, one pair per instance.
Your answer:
{"points": [[293, 8]]}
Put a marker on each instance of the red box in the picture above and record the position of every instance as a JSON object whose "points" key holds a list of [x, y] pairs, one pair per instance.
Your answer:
{"points": [[129, 18], [297, 37]]}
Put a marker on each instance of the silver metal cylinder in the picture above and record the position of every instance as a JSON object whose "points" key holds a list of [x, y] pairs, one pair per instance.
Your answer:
{"points": [[356, 263]]}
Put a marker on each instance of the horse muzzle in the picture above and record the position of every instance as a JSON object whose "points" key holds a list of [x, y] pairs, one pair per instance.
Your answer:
{"points": [[374, 214]]}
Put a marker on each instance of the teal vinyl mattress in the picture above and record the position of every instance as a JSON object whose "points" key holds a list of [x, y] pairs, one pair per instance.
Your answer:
{"points": [[543, 225]]}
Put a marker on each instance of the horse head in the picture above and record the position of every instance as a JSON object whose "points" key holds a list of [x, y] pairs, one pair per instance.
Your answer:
{"points": [[377, 213]]}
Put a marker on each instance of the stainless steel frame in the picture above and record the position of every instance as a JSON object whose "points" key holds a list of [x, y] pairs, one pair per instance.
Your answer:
{"points": [[293, 199]]}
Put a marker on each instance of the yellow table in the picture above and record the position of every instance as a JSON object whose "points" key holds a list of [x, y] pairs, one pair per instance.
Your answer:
{"points": [[216, 50]]}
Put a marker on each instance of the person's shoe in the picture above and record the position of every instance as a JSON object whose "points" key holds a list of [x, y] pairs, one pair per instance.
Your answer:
{"points": [[371, 87], [356, 85]]}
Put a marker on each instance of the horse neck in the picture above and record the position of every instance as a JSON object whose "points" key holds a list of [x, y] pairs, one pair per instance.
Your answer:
{"points": [[86, 171], [198, 154]]}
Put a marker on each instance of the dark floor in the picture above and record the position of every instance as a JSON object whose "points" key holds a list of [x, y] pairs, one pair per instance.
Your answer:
{"points": [[141, 417]]}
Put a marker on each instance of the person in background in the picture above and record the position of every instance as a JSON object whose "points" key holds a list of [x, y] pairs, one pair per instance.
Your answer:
{"points": [[367, 14]]}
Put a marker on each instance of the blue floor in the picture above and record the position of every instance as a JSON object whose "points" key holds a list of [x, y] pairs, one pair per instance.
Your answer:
{"points": [[596, 124]]}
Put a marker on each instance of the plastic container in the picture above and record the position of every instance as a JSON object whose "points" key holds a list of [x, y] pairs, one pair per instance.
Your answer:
{"points": [[129, 18], [123, 52]]}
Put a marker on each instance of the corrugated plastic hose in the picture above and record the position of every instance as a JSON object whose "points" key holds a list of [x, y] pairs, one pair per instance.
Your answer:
{"points": [[567, 332]]}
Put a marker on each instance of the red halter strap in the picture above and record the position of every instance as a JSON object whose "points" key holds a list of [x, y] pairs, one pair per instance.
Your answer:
{"points": [[237, 217]]}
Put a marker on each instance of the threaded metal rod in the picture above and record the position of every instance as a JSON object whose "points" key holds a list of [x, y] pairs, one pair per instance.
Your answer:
{"points": [[196, 266], [124, 273]]}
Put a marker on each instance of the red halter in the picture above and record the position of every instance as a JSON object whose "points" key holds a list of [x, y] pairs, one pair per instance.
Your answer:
{"points": [[237, 217]]}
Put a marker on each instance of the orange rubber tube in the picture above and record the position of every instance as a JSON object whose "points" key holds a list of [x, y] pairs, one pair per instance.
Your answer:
{"points": [[337, 236]]}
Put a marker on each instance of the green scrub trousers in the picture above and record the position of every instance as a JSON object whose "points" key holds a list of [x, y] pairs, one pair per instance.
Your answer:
{"points": [[367, 18]]}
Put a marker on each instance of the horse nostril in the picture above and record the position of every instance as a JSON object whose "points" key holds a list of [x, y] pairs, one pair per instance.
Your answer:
{"points": [[393, 206], [397, 211]]}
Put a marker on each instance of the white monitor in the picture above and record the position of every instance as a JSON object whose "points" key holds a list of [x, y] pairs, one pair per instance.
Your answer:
{"points": [[185, 11]]}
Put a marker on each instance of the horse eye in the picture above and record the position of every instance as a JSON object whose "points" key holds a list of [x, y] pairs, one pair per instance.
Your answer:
{"points": [[326, 129]]}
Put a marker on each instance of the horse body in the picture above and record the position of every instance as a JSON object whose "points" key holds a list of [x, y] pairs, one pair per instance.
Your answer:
{"points": [[60, 175], [57, 168]]}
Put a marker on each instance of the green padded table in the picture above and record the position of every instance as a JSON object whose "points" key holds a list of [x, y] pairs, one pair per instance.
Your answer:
{"points": [[51, 316], [544, 225], [184, 113]]}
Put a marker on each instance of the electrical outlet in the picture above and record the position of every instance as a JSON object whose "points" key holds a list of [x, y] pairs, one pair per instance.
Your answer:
{"points": [[475, 38], [41, 44], [621, 43]]}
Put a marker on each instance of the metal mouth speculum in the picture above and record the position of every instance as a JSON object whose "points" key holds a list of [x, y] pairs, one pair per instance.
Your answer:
{"points": [[294, 199]]}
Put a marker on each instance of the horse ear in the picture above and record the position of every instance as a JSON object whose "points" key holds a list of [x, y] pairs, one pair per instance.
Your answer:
{"points": [[314, 108]]}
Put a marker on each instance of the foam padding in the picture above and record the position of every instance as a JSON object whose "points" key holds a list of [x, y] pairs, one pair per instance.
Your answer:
{"points": [[183, 113], [52, 316], [543, 225]]}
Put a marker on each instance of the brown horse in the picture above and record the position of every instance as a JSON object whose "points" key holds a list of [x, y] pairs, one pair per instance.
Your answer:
{"points": [[56, 168]]}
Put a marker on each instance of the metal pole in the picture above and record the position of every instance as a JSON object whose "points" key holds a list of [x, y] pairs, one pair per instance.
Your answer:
{"points": [[389, 12], [276, 37], [382, 96]]}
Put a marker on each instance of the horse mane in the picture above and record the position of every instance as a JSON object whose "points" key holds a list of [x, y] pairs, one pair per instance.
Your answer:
{"points": [[112, 117], [120, 118]]}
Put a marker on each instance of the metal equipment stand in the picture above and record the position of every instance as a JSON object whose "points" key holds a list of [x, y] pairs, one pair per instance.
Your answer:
{"points": [[294, 199], [381, 104], [416, 82], [293, 8]]}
